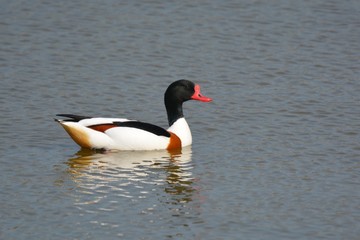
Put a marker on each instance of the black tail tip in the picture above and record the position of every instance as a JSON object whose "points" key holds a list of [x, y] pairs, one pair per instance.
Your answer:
{"points": [[71, 117]]}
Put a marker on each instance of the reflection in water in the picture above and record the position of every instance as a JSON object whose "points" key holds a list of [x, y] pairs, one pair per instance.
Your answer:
{"points": [[125, 173], [158, 186]]}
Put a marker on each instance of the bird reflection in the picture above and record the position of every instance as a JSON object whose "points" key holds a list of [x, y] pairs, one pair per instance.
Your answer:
{"points": [[137, 166], [178, 180]]}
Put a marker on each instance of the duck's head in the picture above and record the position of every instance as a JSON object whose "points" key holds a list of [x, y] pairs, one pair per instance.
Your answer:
{"points": [[184, 90], [178, 92]]}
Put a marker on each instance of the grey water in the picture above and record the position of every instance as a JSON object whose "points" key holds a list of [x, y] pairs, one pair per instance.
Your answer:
{"points": [[276, 155]]}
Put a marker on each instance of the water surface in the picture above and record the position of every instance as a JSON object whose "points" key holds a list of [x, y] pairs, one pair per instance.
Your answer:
{"points": [[275, 156]]}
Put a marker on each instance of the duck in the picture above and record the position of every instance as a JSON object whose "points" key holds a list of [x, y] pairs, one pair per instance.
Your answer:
{"points": [[100, 133]]}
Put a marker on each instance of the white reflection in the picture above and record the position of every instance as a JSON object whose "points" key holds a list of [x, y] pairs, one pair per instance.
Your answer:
{"points": [[128, 159], [132, 174]]}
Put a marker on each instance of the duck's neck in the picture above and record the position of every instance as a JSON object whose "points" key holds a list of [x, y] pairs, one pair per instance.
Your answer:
{"points": [[174, 111]]}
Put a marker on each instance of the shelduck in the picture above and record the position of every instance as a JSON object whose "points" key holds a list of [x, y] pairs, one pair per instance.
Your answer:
{"points": [[125, 134]]}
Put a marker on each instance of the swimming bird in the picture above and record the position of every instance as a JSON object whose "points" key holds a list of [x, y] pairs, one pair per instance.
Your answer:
{"points": [[125, 134]]}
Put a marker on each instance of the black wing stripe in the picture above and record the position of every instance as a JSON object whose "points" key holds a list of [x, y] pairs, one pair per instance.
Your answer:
{"points": [[144, 126]]}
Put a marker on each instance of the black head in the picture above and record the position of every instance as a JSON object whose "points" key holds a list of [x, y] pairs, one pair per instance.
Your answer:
{"points": [[178, 92]]}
